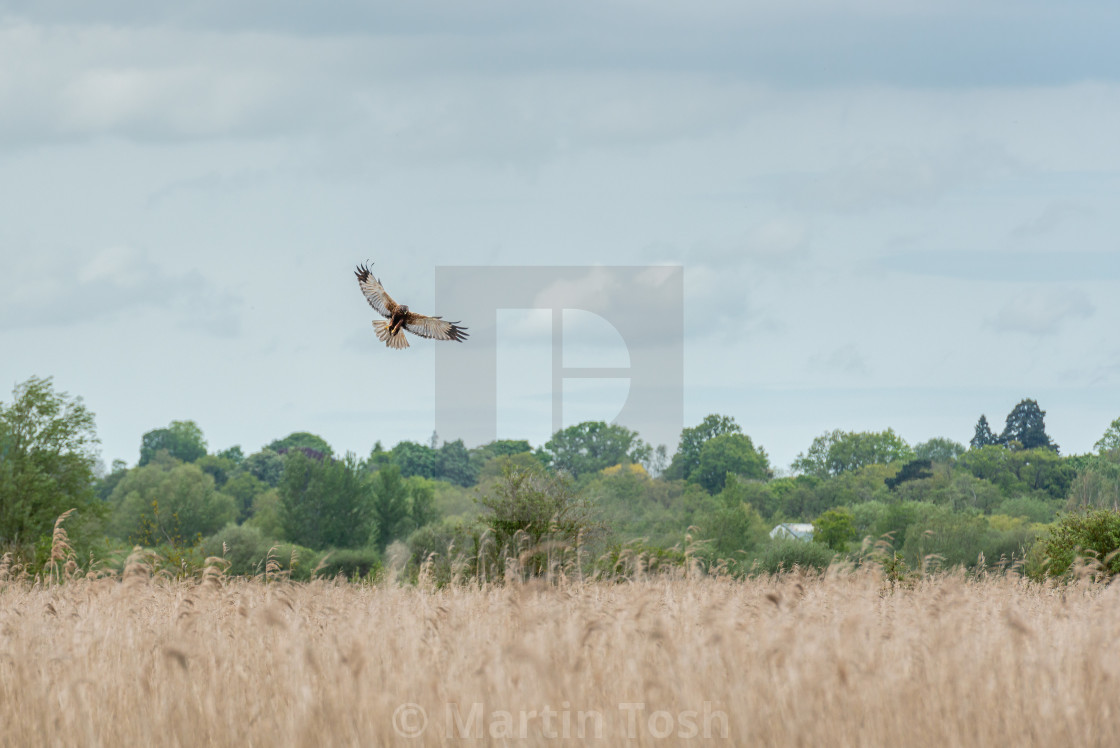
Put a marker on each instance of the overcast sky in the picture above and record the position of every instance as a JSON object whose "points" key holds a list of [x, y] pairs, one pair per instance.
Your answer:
{"points": [[889, 213]]}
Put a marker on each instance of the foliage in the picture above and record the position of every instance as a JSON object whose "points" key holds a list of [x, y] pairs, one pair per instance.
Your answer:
{"points": [[496, 467], [783, 554], [1030, 508], [1026, 425], [326, 503], [182, 440], [983, 436], [453, 464], [220, 468], [266, 513], [448, 550], [168, 502], [526, 507], [1094, 535], [233, 454], [590, 446], [956, 489], [939, 449], [392, 508], [1018, 471], [1097, 485], [501, 448], [732, 526], [351, 563], [941, 537], [729, 453], [835, 529], [836, 452], [633, 506], [637, 558], [266, 466], [914, 470], [415, 459], [249, 551], [301, 440], [47, 458], [687, 457], [1110, 440], [243, 488]]}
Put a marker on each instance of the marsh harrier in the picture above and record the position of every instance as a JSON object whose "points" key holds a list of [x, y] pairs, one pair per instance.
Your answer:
{"points": [[400, 318]]}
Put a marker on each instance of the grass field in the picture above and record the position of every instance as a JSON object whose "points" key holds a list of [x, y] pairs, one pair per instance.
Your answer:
{"points": [[835, 660]]}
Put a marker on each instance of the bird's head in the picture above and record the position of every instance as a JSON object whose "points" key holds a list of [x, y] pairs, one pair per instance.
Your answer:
{"points": [[404, 308]]}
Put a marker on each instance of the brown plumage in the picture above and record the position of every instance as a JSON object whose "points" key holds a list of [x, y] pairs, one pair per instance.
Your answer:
{"points": [[400, 318]]}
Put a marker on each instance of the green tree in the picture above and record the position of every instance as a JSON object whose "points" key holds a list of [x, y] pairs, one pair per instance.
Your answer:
{"points": [[983, 436], [391, 506], [913, 470], [106, 483], [590, 446], [302, 440], [221, 468], [168, 502], [835, 528], [47, 444], [729, 453], [454, 464], [836, 452], [243, 488], [326, 503], [534, 505], [182, 440], [1094, 534], [415, 459], [1026, 425], [1097, 485], [378, 458], [1018, 471], [1110, 441], [422, 509], [687, 457], [733, 527], [233, 454], [939, 449], [266, 466]]}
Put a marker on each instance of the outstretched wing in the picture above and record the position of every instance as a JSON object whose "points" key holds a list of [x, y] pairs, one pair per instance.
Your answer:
{"points": [[374, 292], [434, 327]]}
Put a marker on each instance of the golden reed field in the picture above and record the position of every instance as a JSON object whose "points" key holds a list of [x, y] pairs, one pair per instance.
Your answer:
{"points": [[840, 659]]}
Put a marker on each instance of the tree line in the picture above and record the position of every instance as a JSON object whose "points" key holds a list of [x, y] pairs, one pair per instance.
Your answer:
{"points": [[594, 490]]}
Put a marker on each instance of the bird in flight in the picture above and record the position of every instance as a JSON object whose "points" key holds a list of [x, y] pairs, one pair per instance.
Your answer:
{"points": [[400, 318]]}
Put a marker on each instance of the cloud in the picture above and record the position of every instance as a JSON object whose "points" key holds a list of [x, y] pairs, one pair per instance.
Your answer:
{"points": [[808, 42], [1008, 266], [1042, 311], [897, 175], [846, 359], [114, 281], [1050, 219]]}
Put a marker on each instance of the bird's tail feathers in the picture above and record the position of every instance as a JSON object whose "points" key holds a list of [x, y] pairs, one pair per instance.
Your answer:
{"points": [[393, 340]]}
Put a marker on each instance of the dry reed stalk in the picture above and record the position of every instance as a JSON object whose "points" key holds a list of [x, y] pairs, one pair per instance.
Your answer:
{"points": [[801, 659]]}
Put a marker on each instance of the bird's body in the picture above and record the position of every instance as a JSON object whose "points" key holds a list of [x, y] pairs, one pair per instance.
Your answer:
{"points": [[400, 318]]}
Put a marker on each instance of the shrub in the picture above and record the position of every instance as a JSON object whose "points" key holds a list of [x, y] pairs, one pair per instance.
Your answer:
{"points": [[835, 528], [785, 553], [1093, 534], [1031, 508], [360, 563], [248, 551]]}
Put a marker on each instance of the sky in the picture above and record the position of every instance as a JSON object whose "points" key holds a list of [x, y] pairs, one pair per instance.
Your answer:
{"points": [[889, 214]]}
